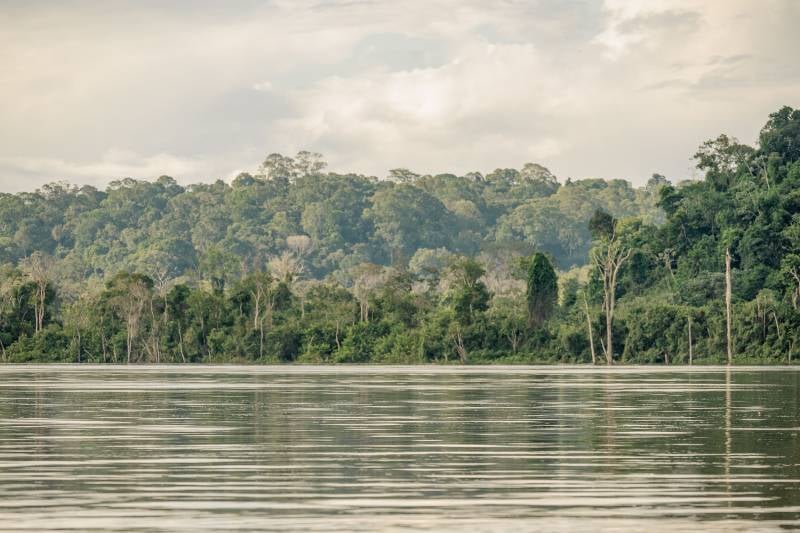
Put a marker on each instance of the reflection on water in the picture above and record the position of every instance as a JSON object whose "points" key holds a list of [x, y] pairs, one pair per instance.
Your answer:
{"points": [[398, 448]]}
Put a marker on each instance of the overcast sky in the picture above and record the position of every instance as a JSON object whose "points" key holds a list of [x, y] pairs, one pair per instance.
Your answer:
{"points": [[95, 91]]}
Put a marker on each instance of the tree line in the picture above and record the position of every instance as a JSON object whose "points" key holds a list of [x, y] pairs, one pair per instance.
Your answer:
{"points": [[294, 263]]}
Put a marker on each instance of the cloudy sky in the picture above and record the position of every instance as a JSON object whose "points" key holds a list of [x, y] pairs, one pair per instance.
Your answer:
{"points": [[94, 91]]}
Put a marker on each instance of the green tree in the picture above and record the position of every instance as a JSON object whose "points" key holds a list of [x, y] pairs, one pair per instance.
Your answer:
{"points": [[542, 290]]}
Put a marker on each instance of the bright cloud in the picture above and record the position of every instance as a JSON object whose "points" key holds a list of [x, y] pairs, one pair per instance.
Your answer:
{"points": [[621, 88]]}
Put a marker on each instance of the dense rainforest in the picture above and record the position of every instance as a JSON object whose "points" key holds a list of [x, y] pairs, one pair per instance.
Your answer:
{"points": [[294, 263]]}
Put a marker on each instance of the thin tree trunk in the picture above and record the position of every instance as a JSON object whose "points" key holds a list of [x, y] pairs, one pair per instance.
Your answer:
{"points": [[103, 341], [257, 308], [39, 306], [130, 343], [180, 342], [609, 335], [261, 339], [609, 267], [589, 325], [777, 326], [166, 311], [155, 334], [728, 299], [691, 355], [460, 348]]}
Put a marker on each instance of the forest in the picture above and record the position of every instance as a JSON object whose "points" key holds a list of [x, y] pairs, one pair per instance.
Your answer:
{"points": [[292, 263]]}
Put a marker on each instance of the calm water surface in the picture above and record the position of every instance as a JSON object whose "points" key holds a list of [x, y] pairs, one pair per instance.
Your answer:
{"points": [[398, 448]]}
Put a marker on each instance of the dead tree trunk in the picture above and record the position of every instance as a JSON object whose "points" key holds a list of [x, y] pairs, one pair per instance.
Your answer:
{"points": [[728, 299], [461, 350], [609, 262], [39, 268], [589, 326]]}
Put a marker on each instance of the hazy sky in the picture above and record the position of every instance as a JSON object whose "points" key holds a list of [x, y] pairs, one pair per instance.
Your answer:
{"points": [[94, 91]]}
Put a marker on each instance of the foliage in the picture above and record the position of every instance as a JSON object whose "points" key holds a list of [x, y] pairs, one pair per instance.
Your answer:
{"points": [[292, 263], [542, 294]]}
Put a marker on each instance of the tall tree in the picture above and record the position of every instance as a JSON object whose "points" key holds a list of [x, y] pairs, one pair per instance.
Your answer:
{"points": [[129, 295], [542, 292], [608, 256], [39, 267], [728, 306]]}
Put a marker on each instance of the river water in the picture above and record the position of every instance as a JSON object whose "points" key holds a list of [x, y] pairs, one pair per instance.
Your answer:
{"points": [[399, 448]]}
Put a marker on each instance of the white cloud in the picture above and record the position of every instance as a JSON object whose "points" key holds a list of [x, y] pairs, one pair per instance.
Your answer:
{"points": [[27, 173], [264, 86], [484, 108], [618, 89]]}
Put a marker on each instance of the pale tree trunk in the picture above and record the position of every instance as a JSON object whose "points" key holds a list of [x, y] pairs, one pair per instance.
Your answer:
{"points": [[728, 306], [129, 344], [609, 331], [514, 337], [589, 326], [691, 354], [609, 266], [155, 333], [796, 295], [461, 350], [263, 303], [133, 319], [261, 339], [39, 269], [256, 307], [180, 342], [40, 307]]}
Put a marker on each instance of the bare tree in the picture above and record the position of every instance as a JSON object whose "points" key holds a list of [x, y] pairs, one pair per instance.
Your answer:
{"points": [[728, 306], [589, 325], [263, 295], [609, 257], [691, 348], [39, 268], [299, 244], [161, 271], [368, 278], [77, 319], [130, 302], [458, 340], [285, 267]]}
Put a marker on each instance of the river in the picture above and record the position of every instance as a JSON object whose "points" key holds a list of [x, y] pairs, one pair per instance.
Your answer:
{"points": [[352, 448]]}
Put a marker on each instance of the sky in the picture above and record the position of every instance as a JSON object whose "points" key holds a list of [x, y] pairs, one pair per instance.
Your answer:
{"points": [[201, 90]]}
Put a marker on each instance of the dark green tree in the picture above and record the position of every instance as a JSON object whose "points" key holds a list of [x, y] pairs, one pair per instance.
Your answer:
{"points": [[542, 290]]}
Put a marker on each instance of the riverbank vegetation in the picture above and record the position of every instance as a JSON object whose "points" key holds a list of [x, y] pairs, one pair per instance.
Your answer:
{"points": [[293, 263]]}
